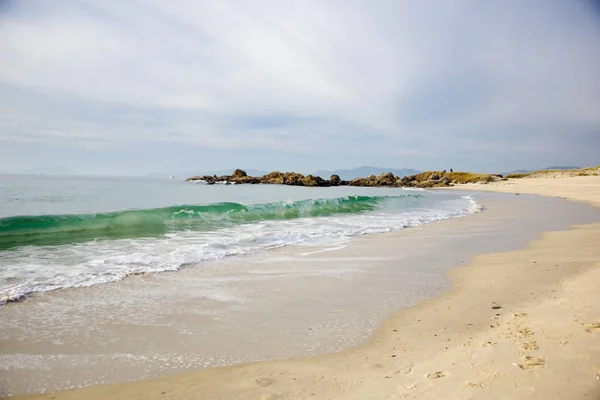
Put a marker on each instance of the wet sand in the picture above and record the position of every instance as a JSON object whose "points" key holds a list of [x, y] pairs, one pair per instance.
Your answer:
{"points": [[458, 344]]}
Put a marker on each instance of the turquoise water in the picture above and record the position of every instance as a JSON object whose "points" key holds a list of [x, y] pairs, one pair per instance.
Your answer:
{"points": [[58, 232]]}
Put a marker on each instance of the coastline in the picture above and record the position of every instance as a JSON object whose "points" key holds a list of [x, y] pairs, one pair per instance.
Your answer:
{"points": [[453, 344]]}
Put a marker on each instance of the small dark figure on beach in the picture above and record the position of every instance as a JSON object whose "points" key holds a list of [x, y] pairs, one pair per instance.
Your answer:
{"points": [[451, 170]]}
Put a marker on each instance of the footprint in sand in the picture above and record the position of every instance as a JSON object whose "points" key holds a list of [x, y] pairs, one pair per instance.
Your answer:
{"points": [[532, 363], [591, 326], [372, 366], [524, 332], [475, 385], [436, 375], [406, 370], [532, 345], [263, 382]]}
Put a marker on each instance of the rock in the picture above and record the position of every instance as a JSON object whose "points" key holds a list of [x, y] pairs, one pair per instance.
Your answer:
{"points": [[245, 180], [194, 178], [202, 178], [273, 178], [427, 184], [310, 180], [359, 182], [385, 179], [432, 183], [292, 178], [238, 173], [424, 179]]}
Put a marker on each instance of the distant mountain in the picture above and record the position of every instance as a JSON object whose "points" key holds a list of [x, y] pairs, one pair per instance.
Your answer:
{"points": [[349, 174], [524, 171], [250, 172], [44, 169], [184, 175]]}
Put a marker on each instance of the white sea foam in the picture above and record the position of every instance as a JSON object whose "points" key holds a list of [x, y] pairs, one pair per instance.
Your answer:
{"points": [[31, 269]]}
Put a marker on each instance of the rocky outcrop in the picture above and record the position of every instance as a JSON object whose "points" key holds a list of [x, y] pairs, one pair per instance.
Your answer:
{"points": [[292, 178], [335, 180], [273, 178], [385, 179], [427, 179], [238, 173]]}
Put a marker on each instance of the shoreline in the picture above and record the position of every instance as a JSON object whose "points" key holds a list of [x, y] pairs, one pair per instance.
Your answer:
{"points": [[453, 344]]}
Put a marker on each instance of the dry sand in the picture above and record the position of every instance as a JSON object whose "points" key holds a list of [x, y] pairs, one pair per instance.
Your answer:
{"points": [[520, 324]]}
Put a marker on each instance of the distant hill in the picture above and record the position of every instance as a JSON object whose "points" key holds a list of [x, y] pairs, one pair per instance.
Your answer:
{"points": [[349, 174], [44, 169], [555, 168], [251, 172]]}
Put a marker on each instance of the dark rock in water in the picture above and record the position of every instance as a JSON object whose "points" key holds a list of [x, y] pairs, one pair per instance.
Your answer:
{"points": [[273, 178], [426, 179], [310, 180], [359, 182], [245, 179], [238, 173], [292, 178], [385, 179], [404, 181]]}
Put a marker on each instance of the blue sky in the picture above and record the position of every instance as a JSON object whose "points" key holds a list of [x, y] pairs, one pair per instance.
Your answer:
{"points": [[133, 86]]}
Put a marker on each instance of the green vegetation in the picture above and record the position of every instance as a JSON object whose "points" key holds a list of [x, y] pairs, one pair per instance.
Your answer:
{"points": [[518, 175], [587, 171], [451, 177], [468, 177]]}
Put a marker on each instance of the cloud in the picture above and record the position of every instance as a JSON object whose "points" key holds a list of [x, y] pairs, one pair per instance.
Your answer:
{"points": [[351, 81]]}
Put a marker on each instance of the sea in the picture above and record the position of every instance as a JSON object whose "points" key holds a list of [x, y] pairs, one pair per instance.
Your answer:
{"points": [[60, 232]]}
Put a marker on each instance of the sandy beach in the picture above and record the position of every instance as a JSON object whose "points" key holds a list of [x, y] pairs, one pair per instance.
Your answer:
{"points": [[518, 324]]}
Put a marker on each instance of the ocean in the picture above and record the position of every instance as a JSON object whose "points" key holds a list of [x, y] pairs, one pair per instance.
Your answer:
{"points": [[72, 231]]}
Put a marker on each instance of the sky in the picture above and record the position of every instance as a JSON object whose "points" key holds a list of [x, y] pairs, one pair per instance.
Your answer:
{"points": [[131, 87]]}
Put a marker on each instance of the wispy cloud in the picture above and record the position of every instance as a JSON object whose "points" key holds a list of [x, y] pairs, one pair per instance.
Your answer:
{"points": [[480, 84]]}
